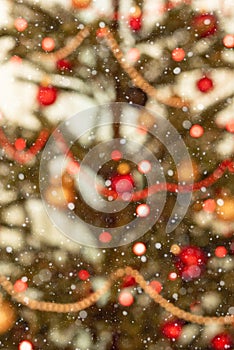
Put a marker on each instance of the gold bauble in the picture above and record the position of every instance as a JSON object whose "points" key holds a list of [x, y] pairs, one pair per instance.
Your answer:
{"points": [[123, 168], [7, 316], [225, 209]]}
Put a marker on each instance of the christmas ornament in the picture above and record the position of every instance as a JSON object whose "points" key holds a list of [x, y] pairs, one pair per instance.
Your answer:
{"points": [[225, 209], [228, 41], [172, 329], [196, 131], [83, 275], [125, 298], [123, 169], [205, 84], [209, 205], [220, 252], [105, 237], [20, 144], [7, 316], [48, 44], [135, 23], [222, 341], [20, 286], [190, 262], [128, 281], [178, 54], [63, 65], [46, 95], [156, 285], [81, 4], [20, 24], [122, 183], [205, 24]]}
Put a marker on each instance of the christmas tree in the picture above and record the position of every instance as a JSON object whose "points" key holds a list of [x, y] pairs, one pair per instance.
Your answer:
{"points": [[117, 200]]}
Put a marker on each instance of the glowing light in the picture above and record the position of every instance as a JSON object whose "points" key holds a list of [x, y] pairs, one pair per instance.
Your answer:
{"points": [[83, 275], [196, 131], [25, 345], [125, 298], [20, 24], [220, 252], [48, 44], [172, 276], [20, 144], [105, 237], [143, 210], [20, 286], [209, 205], [144, 167], [228, 41], [139, 248], [178, 54], [116, 155]]}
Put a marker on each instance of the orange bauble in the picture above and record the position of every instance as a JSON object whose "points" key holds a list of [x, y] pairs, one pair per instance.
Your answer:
{"points": [[225, 209], [81, 4], [7, 316]]}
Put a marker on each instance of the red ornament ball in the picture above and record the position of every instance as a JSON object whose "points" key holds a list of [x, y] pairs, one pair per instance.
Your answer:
{"points": [[46, 95], [172, 329], [122, 183], [222, 341], [135, 23], [125, 298], [196, 131], [190, 262], [48, 44], [20, 144], [178, 54], [228, 41], [205, 84], [192, 255], [20, 24], [128, 281], [83, 275], [63, 65], [20, 286], [205, 24]]}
